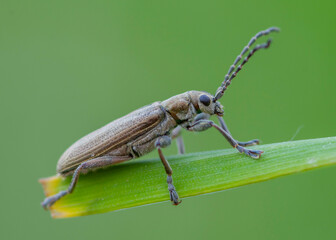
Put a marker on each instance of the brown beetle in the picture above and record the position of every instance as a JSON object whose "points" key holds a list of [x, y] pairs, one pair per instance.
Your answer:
{"points": [[152, 127]]}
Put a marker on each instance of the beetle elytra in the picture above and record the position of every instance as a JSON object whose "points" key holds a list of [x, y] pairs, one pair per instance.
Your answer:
{"points": [[153, 127]]}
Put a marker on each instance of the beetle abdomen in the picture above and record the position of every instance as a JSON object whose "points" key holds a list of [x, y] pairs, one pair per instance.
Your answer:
{"points": [[111, 136]]}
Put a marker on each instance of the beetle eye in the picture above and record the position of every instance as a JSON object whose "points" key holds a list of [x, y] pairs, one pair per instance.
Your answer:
{"points": [[205, 100]]}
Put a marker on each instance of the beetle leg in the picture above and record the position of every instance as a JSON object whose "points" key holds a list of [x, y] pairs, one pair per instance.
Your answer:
{"points": [[162, 142], [243, 144], [176, 133], [201, 116], [206, 124], [84, 167]]}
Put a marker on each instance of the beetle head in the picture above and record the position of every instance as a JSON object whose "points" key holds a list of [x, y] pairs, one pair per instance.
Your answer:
{"points": [[206, 103]]}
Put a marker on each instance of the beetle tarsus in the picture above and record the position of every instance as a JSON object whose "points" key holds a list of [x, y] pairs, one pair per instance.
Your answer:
{"points": [[174, 198], [249, 143], [252, 153], [49, 201]]}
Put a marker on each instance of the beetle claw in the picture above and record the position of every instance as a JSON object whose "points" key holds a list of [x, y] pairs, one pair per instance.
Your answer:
{"points": [[174, 197], [47, 203], [254, 153], [249, 152]]}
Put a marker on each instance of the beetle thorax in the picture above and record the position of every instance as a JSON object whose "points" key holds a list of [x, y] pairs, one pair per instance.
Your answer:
{"points": [[180, 107]]}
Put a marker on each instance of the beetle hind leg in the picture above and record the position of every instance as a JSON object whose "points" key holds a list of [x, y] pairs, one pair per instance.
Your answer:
{"points": [[162, 142], [84, 167], [49, 201]]}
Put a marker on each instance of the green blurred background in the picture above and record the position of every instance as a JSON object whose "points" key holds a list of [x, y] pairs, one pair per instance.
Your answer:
{"points": [[69, 67]]}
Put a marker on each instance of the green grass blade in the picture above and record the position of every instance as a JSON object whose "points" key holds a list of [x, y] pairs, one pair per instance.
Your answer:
{"points": [[141, 182]]}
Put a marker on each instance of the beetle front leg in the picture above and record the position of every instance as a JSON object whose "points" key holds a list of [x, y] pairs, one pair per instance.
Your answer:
{"points": [[206, 124], [84, 167], [176, 133], [243, 144], [162, 142]]}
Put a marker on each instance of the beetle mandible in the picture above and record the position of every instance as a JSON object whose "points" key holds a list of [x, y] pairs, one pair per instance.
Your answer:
{"points": [[153, 127]]}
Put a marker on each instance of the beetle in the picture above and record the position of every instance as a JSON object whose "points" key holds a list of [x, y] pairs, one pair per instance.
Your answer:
{"points": [[153, 127]]}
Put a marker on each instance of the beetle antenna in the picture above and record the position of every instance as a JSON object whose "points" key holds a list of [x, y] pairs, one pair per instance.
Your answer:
{"points": [[228, 78], [256, 48]]}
